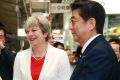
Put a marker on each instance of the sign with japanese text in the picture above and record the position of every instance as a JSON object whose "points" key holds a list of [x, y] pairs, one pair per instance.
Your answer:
{"points": [[59, 8]]}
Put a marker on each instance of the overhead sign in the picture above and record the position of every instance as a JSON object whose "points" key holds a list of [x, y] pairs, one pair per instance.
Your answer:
{"points": [[59, 8]]}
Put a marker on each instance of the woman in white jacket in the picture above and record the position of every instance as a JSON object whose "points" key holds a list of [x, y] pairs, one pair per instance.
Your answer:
{"points": [[41, 61]]}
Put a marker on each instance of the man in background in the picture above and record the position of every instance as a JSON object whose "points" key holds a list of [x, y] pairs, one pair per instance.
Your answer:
{"points": [[6, 56], [115, 44]]}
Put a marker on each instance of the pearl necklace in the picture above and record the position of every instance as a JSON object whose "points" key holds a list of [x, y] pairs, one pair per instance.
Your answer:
{"points": [[39, 58]]}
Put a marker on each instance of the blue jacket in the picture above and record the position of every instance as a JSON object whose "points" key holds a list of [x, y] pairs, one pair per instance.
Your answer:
{"points": [[98, 62]]}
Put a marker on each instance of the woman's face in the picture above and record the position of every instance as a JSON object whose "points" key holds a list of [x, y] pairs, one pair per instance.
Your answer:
{"points": [[35, 36]]}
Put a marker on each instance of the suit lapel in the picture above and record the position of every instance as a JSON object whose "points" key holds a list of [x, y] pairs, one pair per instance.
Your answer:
{"points": [[94, 43], [77, 70]]}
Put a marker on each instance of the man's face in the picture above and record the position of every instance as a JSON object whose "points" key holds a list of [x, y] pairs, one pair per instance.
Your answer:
{"points": [[2, 37], [78, 26]]}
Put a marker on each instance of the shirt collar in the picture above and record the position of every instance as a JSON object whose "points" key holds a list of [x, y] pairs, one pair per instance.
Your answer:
{"points": [[0, 52], [118, 60], [88, 42]]}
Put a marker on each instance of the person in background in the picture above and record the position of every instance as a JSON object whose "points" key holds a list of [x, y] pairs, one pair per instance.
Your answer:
{"points": [[98, 60], [59, 45], [41, 61], [73, 58], [6, 56], [115, 44], [51, 39], [70, 53]]}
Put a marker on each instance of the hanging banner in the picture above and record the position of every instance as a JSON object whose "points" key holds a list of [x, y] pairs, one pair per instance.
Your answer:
{"points": [[59, 8]]}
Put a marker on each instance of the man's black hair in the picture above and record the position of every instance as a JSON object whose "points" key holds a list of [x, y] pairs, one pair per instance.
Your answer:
{"points": [[90, 9]]}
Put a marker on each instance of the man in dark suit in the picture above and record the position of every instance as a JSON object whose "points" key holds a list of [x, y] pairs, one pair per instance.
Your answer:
{"points": [[98, 60], [6, 57]]}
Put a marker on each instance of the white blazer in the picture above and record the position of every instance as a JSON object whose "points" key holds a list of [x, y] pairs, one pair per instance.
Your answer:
{"points": [[0, 78], [56, 65]]}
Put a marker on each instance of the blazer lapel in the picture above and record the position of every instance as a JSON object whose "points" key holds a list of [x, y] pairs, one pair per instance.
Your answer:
{"points": [[27, 66], [47, 64]]}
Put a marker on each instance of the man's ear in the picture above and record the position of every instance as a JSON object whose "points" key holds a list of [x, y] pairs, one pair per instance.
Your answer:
{"points": [[91, 23]]}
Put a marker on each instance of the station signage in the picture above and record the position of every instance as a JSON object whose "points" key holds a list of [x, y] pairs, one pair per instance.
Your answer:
{"points": [[59, 7]]}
